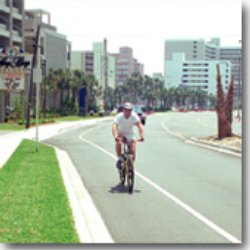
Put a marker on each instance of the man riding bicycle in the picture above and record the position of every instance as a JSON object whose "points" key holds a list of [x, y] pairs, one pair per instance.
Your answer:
{"points": [[123, 126]]}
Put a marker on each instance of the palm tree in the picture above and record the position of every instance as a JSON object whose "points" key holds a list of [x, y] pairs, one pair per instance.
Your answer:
{"points": [[76, 83], [53, 87], [148, 91], [92, 91]]}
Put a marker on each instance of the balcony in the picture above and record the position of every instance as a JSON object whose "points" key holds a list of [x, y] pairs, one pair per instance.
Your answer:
{"points": [[3, 30], [4, 7], [16, 14]]}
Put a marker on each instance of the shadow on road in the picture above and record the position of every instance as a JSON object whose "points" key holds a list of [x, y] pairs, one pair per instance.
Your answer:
{"points": [[119, 188]]}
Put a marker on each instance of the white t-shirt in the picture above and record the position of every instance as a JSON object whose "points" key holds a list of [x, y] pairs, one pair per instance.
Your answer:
{"points": [[126, 125]]}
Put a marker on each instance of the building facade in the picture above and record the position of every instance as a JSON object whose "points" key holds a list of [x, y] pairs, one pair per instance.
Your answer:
{"points": [[11, 34], [11, 23], [55, 48], [126, 65], [93, 62], [196, 74], [178, 52]]}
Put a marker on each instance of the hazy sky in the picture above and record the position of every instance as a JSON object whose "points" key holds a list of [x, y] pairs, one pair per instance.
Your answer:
{"points": [[143, 25]]}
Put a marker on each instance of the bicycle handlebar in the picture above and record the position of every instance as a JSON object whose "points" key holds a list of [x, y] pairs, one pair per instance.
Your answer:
{"points": [[124, 139]]}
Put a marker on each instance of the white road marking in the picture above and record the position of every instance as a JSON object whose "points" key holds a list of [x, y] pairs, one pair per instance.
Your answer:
{"points": [[172, 133], [197, 143], [186, 207]]}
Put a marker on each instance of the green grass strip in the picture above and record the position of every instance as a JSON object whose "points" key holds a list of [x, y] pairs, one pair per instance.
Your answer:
{"points": [[33, 203], [11, 126]]}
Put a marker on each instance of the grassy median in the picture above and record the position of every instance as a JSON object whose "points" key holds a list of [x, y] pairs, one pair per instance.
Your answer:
{"points": [[33, 203]]}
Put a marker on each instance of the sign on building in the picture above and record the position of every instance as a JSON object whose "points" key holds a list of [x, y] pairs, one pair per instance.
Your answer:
{"points": [[12, 81]]}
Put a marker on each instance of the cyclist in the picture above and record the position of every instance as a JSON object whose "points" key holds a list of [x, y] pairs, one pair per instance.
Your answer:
{"points": [[123, 126]]}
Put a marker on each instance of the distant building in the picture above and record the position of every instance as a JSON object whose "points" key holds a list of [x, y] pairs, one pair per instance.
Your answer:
{"points": [[99, 65], [158, 76], [126, 65], [196, 74], [92, 62], [88, 62], [199, 50], [77, 60]]}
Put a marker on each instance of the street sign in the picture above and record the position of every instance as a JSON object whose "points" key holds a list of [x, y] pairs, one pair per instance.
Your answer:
{"points": [[82, 100], [37, 75], [12, 80]]}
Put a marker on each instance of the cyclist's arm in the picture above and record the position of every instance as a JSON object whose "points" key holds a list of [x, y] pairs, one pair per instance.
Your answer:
{"points": [[141, 130], [115, 130]]}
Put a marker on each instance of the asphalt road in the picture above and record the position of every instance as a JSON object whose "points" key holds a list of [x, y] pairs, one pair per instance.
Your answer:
{"points": [[183, 193]]}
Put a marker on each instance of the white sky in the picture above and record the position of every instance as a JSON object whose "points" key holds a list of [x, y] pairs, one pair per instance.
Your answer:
{"points": [[143, 25]]}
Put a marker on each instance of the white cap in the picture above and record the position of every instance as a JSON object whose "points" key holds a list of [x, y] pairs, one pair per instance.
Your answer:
{"points": [[128, 106]]}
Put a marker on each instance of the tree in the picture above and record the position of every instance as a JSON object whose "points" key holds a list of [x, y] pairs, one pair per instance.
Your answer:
{"points": [[224, 108]]}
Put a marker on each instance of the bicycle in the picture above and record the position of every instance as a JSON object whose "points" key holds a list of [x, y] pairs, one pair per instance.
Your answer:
{"points": [[126, 169]]}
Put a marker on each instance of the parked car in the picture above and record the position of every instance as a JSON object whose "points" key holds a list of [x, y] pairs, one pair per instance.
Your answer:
{"points": [[140, 110]]}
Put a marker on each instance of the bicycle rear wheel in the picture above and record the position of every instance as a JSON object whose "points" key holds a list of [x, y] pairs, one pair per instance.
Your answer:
{"points": [[130, 177]]}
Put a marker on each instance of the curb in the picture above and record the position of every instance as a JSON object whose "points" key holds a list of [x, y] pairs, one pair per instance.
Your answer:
{"points": [[88, 222], [216, 146]]}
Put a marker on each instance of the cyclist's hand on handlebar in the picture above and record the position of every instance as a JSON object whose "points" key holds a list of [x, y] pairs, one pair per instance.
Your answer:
{"points": [[118, 139], [141, 139]]}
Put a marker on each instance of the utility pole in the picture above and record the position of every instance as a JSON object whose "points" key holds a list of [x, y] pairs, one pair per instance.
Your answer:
{"points": [[105, 76], [34, 62], [37, 79]]}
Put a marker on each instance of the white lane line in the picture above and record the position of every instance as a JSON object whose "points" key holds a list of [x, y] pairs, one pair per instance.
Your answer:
{"points": [[186, 207], [197, 143], [172, 133]]}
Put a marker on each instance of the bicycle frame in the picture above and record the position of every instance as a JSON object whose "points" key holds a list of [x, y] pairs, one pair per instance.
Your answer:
{"points": [[128, 168]]}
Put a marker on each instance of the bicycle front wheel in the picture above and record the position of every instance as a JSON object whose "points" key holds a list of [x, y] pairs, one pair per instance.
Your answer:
{"points": [[122, 176], [130, 177]]}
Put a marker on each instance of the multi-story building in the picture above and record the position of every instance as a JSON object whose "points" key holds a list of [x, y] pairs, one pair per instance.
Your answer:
{"points": [[55, 48], [88, 62], [196, 74], [11, 34], [199, 50], [126, 64], [93, 62], [11, 23], [77, 60]]}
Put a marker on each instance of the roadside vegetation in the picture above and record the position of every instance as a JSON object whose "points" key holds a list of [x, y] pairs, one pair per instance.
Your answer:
{"points": [[60, 90], [34, 207]]}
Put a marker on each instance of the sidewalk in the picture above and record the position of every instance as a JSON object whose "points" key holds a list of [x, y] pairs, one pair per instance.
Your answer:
{"points": [[88, 222]]}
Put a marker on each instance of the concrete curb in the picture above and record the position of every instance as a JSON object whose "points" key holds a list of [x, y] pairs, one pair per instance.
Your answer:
{"points": [[88, 222], [215, 146], [229, 148]]}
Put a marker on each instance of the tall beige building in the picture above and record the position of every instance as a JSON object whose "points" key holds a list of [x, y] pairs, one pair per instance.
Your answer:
{"points": [[126, 65]]}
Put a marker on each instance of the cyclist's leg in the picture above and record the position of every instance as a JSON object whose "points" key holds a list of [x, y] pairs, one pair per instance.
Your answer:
{"points": [[132, 145], [118, 149], [133, 148]]}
